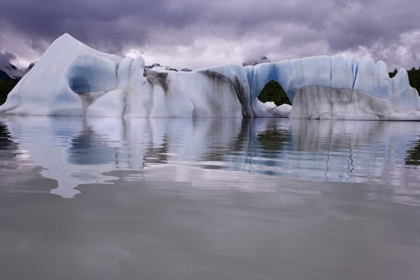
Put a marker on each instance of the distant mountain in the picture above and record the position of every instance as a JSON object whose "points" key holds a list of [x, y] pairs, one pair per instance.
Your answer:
{"points": [[26, 70], [4, 76], [12, 72], [253, 62], [159, 68]]}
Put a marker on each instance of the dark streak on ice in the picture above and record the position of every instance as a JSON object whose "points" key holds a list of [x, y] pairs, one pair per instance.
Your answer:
{"points": [[158, 79], [239, 90]]}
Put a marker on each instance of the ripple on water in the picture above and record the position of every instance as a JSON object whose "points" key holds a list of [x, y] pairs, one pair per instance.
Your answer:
{"points": [[74, 151]]}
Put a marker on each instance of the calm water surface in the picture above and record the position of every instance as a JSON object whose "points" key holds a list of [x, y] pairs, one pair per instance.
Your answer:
{"points": [[105, 198]]}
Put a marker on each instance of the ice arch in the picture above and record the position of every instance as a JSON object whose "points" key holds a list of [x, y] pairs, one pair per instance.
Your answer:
{"points": [[338, 88], [273, 92], [74, 79]]}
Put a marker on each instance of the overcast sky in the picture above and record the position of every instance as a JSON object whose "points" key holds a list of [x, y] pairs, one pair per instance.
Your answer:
{"points": [[193, 34]]}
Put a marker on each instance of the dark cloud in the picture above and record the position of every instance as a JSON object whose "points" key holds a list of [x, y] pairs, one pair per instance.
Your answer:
{"points": [[281, 28], [364, 23], [5, 58], [103, 24]]}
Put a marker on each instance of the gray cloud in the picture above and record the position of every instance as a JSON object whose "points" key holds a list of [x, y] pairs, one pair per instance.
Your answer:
{"points": [[5, 58], [198, 33]]}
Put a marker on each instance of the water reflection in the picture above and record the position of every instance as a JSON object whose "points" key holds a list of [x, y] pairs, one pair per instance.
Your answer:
{"points": [[76, 151], [15, 166], [89, 148], [7, 146], [413, 155]]}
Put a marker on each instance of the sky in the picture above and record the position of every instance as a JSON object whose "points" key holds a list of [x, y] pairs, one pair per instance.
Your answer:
{"points": [[195, 34]]}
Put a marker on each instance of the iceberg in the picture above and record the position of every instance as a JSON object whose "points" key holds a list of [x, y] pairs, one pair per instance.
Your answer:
{"points": [[72, 79]]}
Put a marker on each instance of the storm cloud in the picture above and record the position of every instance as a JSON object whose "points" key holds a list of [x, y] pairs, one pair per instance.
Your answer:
{"points": [[188, 33], [5, 58]]}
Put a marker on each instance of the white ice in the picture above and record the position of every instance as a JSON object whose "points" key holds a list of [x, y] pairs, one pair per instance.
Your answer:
{"points": [[74, 79]]}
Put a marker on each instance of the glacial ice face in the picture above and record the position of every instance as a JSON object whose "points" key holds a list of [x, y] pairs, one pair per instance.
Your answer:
{"points": [[73, 79], [394, 96]]}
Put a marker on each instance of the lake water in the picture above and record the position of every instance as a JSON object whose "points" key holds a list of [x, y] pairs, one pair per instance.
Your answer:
{"points": [[105, 198]]}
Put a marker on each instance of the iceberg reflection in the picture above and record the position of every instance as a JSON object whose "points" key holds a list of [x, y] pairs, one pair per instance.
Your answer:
{"points": [[76, 151]]}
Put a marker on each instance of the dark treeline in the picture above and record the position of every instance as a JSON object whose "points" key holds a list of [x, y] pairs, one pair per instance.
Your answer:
{"points": [[274, 92], [6, 85], [271, 92]]}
